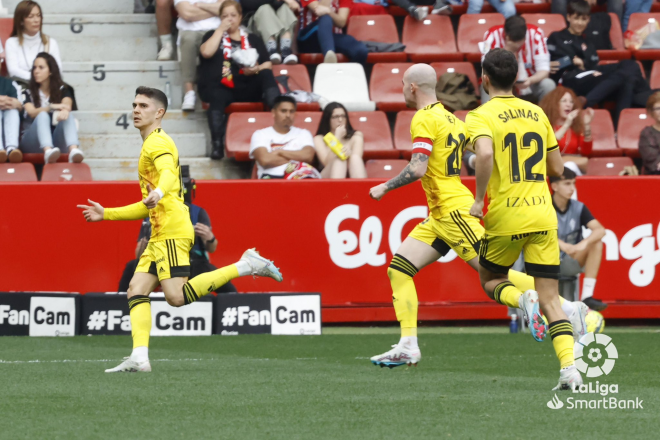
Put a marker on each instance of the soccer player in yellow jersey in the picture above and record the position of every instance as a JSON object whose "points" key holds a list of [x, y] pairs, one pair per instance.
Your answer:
{"points": [[166, 258], [516, 149], [439, 139]]}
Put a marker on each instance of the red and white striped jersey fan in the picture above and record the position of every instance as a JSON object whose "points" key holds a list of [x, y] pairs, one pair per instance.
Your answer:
{"points": [[532, 57]]}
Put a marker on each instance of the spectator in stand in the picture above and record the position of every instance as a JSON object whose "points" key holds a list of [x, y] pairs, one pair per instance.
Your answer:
{"points": [[321, 23], [528, 43], [10, 121], [614, 6], [578, 254], [27, 41], [572, 127], [222, 80], [274, 148], [196, 18], [164, 25], [49, 124], [622, 81], [273, 20], [504, 7], [633, 6], [649, 138], [335, 122], [379, 7]]}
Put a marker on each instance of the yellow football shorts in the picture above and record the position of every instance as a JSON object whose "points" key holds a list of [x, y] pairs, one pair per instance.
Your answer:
{"points": [[166, 259], [540, 249], [458, 231]]}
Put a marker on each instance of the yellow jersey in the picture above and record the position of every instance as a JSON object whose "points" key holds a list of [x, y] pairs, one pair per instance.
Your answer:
{"points": [[441, 136], [518, 194]]}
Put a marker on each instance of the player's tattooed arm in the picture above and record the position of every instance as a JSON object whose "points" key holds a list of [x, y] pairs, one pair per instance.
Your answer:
{"points": [[412, 172]]}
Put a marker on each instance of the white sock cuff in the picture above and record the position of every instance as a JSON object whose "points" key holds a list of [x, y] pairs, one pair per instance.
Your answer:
{"points": [[140, 354], [244, 268], [166, 39], [588, 286]]}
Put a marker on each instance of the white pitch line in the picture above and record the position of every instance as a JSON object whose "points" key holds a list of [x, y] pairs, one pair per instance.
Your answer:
{"points": [[58, 361]]}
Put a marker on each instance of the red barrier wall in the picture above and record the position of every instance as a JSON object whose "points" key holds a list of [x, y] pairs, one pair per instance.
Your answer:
{"points": [[327, 237]]}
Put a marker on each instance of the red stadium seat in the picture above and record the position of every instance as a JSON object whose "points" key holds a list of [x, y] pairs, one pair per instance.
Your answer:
{"points": [[17, 172], [431, 39], [402, 140], [385, 87], [607, 166], [603, 134], [548, 23], [637, 21], [631, 123], [542, 7], [377, 135], [38, 158], [298, 80], [66, 172], [379, 28], [458, 67], [641, 67], [522, 8], [240, 127], [6, 26], [317, 58], [655, 75], [471, 31], [616, 37], [385, 168]]}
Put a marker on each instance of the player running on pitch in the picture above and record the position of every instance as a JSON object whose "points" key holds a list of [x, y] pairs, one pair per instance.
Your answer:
{"points": [[166, 258], [516, 148], [438, 142]]}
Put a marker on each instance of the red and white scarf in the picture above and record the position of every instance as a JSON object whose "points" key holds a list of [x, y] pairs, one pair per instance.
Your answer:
{"points": [[227, 77]]}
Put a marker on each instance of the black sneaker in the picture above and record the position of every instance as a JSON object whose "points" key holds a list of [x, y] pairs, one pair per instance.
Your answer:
{"points": [[441, 7], [288, 56], [275, 57], [595, 304]]}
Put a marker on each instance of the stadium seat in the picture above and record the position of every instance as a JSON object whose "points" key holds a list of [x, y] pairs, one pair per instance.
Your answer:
{"points": [[38, 158], [66, 172], [458, 67], [641, 67], [377, 134], [631, 123], [298, 80], [637, 21], [603, 134], [240, 127], [17, 172], [385, 168], [380, 28], [402, 140], [431, 39], [619, 51], [471, 31], [238, 107], [607, 166], [6, 26], [385, 86], [317, 58], [345, 83], [655, 75], [548, 23]]}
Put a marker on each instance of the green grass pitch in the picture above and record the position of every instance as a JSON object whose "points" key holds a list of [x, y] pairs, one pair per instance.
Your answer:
{"points": [[471, 383]]}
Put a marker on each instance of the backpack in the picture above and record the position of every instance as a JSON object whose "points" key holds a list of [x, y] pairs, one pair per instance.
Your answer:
{"points": [[456, 92]]}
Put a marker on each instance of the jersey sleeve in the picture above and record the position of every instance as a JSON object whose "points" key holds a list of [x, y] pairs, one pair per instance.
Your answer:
{"points": [[585, 216], [422, 133], [477, 127], [550, 140]]}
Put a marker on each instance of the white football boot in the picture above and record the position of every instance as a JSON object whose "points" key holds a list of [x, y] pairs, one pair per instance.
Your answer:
{"points": [[261, 266], [577, 319], [569, 379], [397, 356], [131, 366], [529, 304]]}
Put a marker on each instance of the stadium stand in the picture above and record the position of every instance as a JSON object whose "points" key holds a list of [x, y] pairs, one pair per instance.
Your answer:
{"points": [[345, 83], [458, 67], [655, 75], [384, 168], [385, 86], [298, 80], [602, 128], [431, 39], [641, 66], [631, 123], [379, 28], [608, 166], [471, 31], [17, 172], [548, 23], [638, 20], [402, 140], [377, 134], [66, 172], [619, 51]]}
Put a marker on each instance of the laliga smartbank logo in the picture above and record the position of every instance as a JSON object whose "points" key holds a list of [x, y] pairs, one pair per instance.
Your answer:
{"points": [[595, 356]]}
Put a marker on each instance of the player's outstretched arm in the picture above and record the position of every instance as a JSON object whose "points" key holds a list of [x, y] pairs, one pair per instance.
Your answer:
{"points": [[92, 213], [135, 211], [412, 172], [484, 168]]}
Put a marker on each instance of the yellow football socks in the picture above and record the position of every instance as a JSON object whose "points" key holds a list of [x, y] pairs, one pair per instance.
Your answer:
{"points": [[140, 309], [561, 332], [522, 281], [507, 294], [404, 294], [206, 283]]}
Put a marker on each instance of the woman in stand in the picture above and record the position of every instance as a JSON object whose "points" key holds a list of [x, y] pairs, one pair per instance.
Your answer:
{"points": [[222, 80], [49, 124], [572, 127], [335, 121]]}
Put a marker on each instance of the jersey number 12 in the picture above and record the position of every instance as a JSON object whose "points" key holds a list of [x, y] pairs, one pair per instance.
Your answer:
{"points": [[528, 141]]}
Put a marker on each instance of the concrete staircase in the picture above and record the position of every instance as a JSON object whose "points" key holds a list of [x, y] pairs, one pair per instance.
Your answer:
{"points": [[107, 52]]}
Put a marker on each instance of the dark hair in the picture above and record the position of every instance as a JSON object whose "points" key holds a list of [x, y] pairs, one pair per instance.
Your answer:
{"points": [[284, 98], [22, 11], [578, 7], [515, 28], [567, 174], [229, 3], [324, 125], [155, 94], [501, 66], [56, 83]]}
